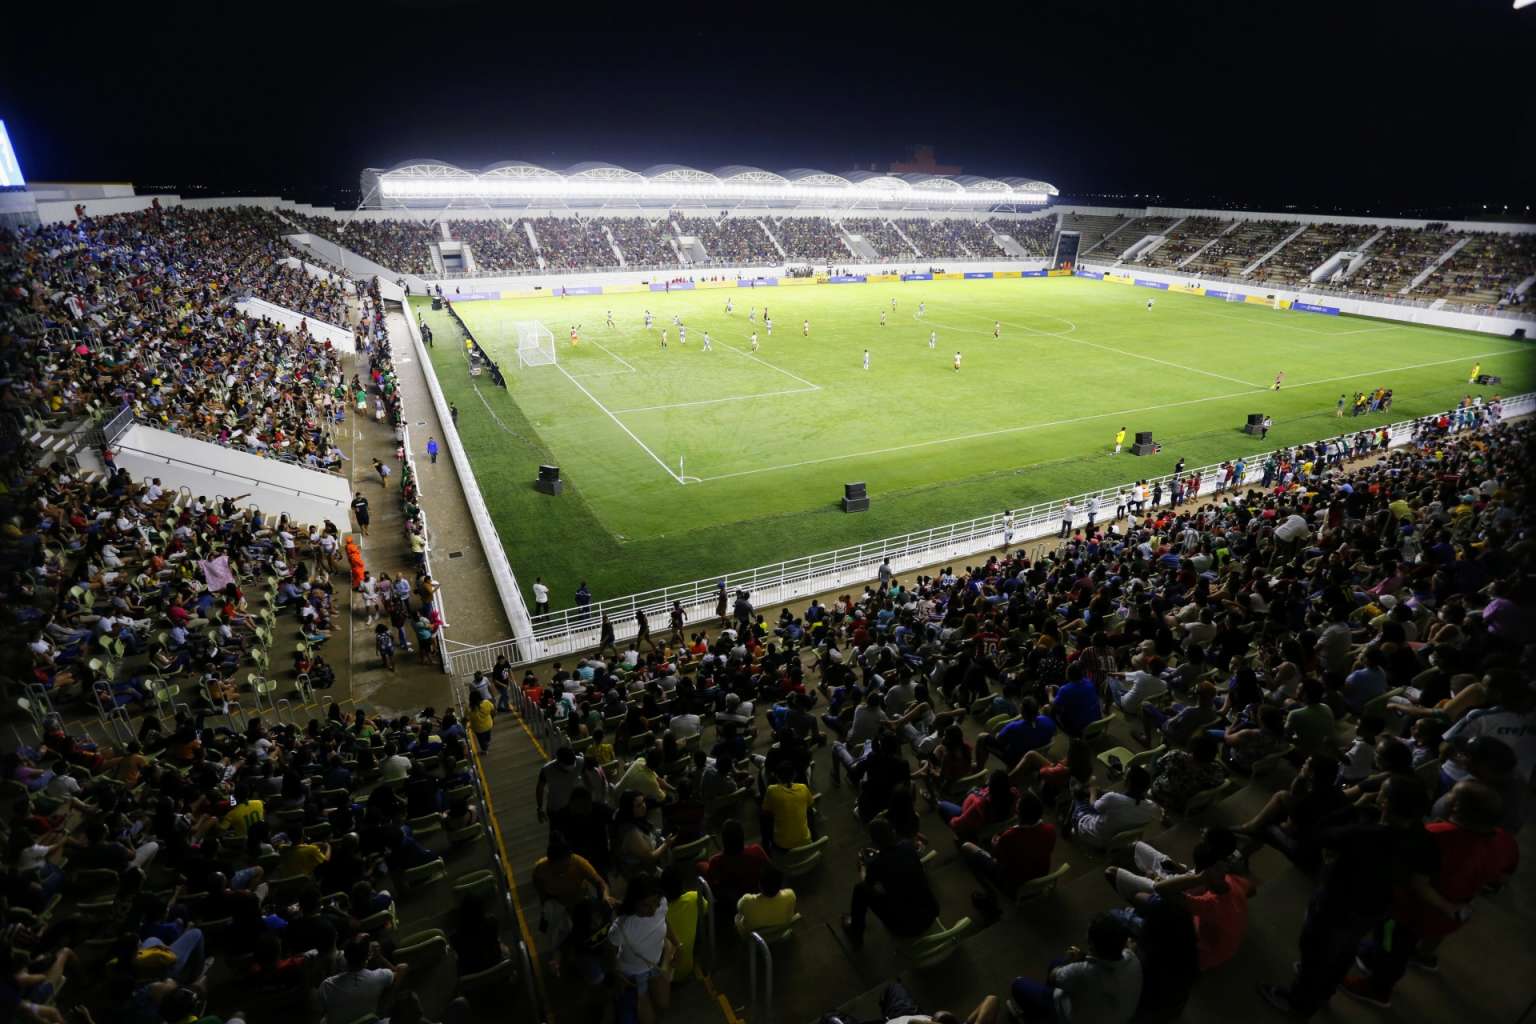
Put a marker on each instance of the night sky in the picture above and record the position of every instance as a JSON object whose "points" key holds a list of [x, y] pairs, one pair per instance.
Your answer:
{"points": [[1353, 105]]}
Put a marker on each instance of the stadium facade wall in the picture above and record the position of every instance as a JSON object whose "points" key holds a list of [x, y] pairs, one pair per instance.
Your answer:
{"points": [[1500, 325]]}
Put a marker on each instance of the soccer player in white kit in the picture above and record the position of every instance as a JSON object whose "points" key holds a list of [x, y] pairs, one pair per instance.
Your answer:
{"points": [[997, 328], [707, 347], [882, 318], [754, 341], [767, 323], [866, 359], [922, 309], [752, 314], [663, 337], [933, 339], [682, 335], [729, 308], [610, 319], [957, 362], [805, 329], [647, 319], [893, 302]]}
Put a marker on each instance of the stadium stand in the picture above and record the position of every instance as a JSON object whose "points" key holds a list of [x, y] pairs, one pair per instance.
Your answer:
{"points": [[1485, 271], [1260, 710], [572, 243], [811, 238], [496, 245], [1293, 265], [1397, 257], [403, 246], [1185, 240], [730, 241], [1233, 252], [881, 235], [1132, 233], [1092, 228], [951, 238], [1037, 235], [643, 243]]}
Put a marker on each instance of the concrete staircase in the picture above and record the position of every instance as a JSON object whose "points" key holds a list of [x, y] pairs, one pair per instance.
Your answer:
{"points": [[1256, 264], [764, 225], [1423, 275]]}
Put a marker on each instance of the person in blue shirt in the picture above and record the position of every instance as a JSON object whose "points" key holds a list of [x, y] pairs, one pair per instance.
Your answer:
{"points": [[1366, 682], [432, 448], [1030, 731], [1075, 704]]}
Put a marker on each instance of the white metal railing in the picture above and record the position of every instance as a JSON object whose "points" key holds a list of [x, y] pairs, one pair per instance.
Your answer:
{"points": [[570, 630], [426, 552]]}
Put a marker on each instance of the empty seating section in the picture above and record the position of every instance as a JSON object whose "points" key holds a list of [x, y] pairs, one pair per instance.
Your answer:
{"points": [[1232, 253], [1092, 229], [731, 241], [1037, 234], [950, 238], [1484, 271], [496, 245], [1185, 240], [1398, 256], [643, 243], [404, 246], [1132, 233], [1293, 265], [571, 243], [811, 238], [881, 235]]}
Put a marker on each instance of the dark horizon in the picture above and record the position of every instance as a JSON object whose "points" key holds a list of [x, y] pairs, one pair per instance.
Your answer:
{"points": [[1416, 107]]}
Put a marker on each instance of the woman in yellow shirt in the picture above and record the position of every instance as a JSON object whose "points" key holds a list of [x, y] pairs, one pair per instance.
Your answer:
{"points": [[481, 717], [772, 906]]}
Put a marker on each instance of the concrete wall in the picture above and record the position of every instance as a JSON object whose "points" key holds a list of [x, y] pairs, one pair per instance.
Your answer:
{"points": [[339, 337], [212, 471], [1500, 325]]}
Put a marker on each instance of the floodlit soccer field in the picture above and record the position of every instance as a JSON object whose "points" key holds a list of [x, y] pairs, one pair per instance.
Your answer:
{"points": [[681, 463]]}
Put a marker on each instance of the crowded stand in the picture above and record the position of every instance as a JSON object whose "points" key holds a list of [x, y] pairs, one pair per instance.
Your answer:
{"points": [[572, 243], [811, 238], [134, 311], [496, 245], [404, 246], [731, 241], [1037, 234], [1397, 257], [200, 830], [950, 237], [1343, 633], [1188, 238], [1232, 253], [1293, 265], [879, 233], [644, 243], [1484, 272]]}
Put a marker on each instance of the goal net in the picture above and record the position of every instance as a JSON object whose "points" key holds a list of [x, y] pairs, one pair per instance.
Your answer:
{"points": [[535, 344]]}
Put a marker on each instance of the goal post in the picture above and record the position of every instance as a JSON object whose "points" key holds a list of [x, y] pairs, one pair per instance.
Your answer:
{"points": [[535, 343]]}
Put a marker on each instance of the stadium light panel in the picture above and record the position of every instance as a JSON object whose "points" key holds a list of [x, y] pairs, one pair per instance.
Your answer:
{"points": [[664, 192], [10, 169], [1523, 3]]}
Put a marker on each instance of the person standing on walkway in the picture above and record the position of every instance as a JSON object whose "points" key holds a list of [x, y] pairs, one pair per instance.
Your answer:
{"points": [[583, 601], [1068, 510], [432, 449], [383, 471], [360, 510], [720, 603], [679, 617], [540, 596], [385, 645], [481, 718], [453, 413], [643, 630]]}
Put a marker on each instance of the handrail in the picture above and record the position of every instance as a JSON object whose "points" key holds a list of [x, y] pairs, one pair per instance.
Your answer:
{"points": [[533, 996], [168, 459], [759, 946], [568, 630], [426, 551]]}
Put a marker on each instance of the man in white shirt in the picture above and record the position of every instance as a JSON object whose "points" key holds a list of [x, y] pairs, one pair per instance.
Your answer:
{"points": [[357, 991], [737, 711], [540, 596], [558, 779], [1134, 689], [685, 726]]}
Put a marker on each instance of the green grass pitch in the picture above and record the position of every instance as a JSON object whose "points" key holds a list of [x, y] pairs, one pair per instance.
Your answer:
{"points": [[766, 441]]}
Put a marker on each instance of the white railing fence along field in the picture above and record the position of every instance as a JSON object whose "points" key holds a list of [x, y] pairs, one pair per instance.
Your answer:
{"points": [[570, 630]]}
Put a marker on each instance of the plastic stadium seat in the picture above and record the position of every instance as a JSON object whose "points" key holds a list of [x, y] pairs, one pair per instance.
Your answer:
{"points": [[1204, 799], [1265, 765], [1096, 730], [1128, 759], [1377, 706], [1124, 840], [996, 722], [937, 946], [422, 950], [424, 874], [384, 920], [776, 933], [426, 824], [473, 986], [474, 883], [801, 860], [471, 833], [692, 851], [1042, 886]]}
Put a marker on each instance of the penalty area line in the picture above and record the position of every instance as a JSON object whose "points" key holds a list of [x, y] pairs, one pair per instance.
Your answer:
{"points": [[609, 413], [715, 401]]}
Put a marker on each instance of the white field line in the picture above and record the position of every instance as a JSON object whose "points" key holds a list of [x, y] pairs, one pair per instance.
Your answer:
{"points": [[614, 355], [748, 355], [1070, 336], [609, 413], [1079, 419], [1303, 330], [715, 401]]}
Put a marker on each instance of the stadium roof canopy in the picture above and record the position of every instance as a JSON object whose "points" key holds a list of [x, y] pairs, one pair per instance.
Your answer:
{"points": [[427, 183]]}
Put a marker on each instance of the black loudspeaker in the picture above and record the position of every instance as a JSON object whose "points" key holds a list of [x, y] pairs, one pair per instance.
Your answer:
{"points": [[854, 498], [1489, 378], [1519, 334], [1255, 424], [1144, 444], [437, 302], [549, 480], [1143, 437], [1255, 417]]}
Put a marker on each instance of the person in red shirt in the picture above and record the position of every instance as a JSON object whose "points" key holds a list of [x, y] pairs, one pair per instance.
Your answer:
{"points": [[982, 808], [1473, 853], [1018, 854], [737, 869]]}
